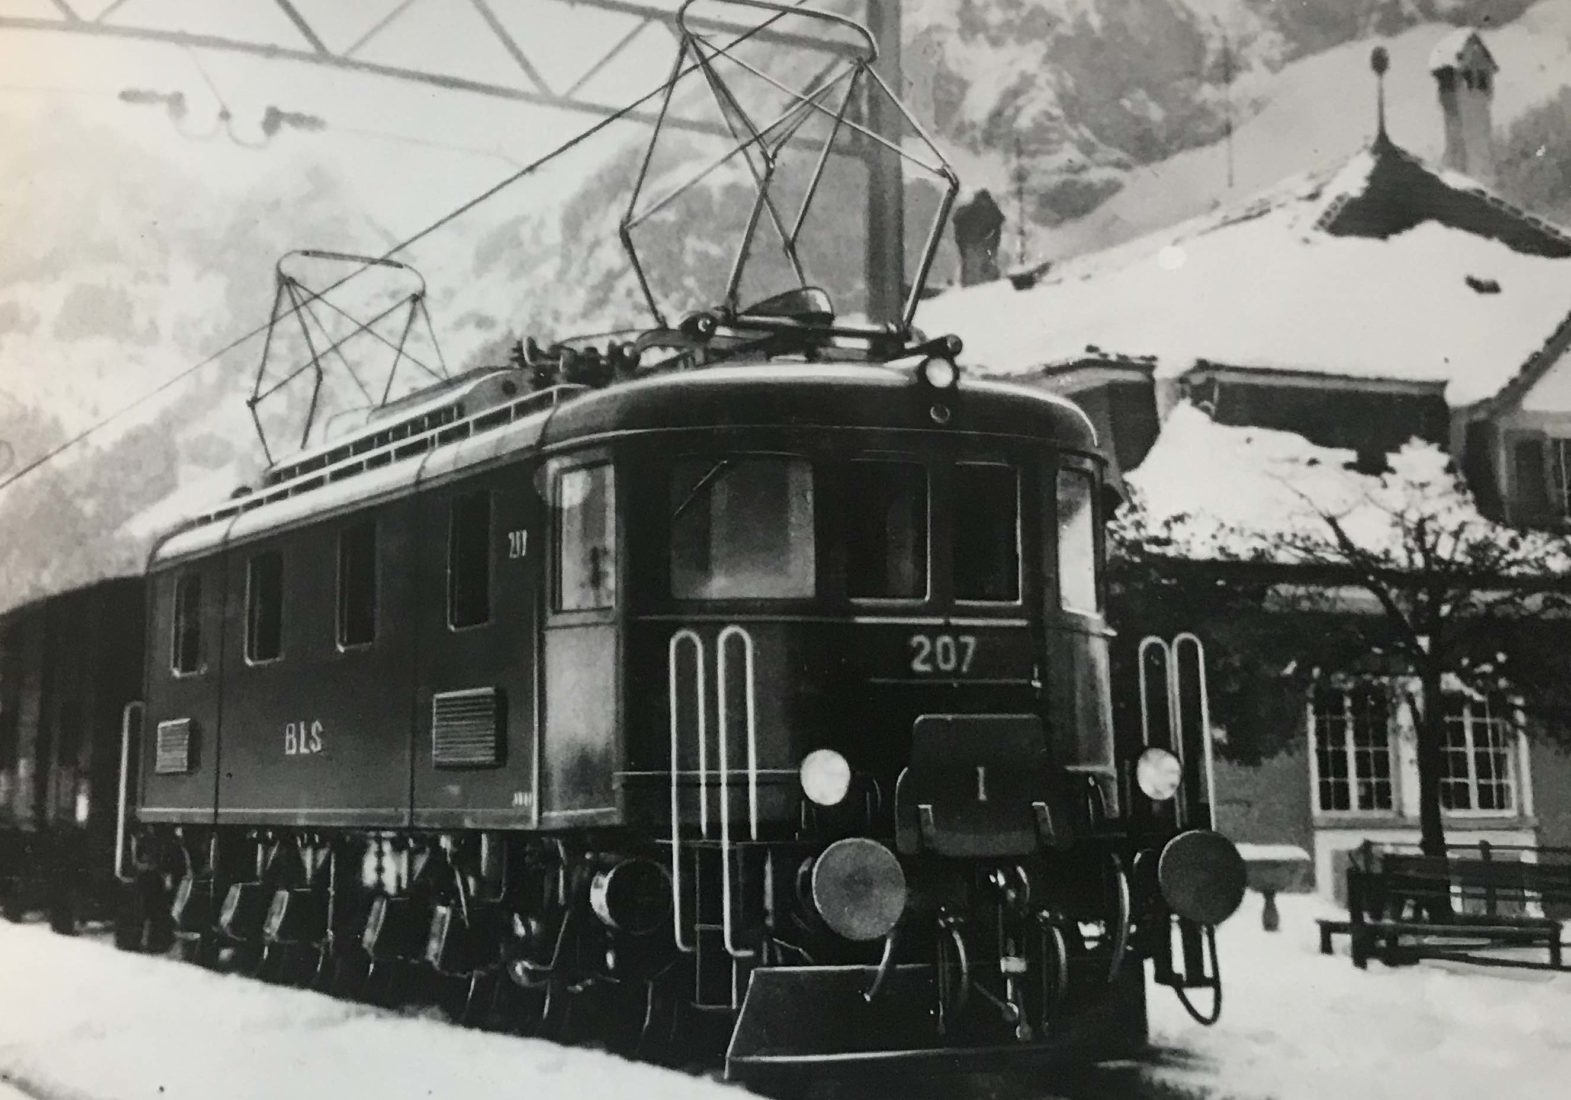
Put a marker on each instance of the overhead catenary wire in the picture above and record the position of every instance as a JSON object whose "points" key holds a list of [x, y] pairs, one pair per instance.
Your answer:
{"points": [[420, 235]]}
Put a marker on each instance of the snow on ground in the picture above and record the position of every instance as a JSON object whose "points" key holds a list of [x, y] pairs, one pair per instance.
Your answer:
{"points": [[79, 1019], [1299, 1026]]}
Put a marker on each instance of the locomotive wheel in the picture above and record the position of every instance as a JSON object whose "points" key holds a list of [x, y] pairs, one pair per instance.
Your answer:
{"points": [[347, 975], [199, 948], [142, 921], [245, 958], [454, 994], [12, 906], [660, 1040], [518, 1010], [378, 981], [557, 1013], [479, 997], [623, 1014], [62, 908]]}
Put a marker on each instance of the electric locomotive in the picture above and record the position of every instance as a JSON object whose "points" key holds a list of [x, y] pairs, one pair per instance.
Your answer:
{"points": [[759, 701]]}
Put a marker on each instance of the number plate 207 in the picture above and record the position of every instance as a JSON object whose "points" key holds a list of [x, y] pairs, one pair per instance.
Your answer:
{"points": [[941, 654]]}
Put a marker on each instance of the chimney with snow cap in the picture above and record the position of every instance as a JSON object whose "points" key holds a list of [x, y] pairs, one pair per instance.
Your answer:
{"points": [[1465, 71], [979, 226]]}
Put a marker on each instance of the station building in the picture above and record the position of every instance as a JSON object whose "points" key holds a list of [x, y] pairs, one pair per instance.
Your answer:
{"points": [[1380, 312]]}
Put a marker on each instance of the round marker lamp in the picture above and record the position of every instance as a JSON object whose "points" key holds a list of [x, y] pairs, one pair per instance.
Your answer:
{"points": [[1158, 774], [826, 777], [939, 373]]}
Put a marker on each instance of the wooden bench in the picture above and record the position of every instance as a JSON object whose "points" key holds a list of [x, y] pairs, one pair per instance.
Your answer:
{"points": [[1329, 928], [1480, 894]]}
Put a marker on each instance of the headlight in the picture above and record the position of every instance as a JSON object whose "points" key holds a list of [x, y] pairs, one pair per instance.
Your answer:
{"points": [[1158, 773], [939, 373], [859, 888], [826, 777]]}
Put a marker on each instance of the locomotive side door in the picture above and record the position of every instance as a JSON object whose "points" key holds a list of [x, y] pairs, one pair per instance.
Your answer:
{"points": [[580, 746], [480, 574]]}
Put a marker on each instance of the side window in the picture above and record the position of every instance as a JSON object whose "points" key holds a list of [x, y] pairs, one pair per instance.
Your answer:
{"points": [[585, 504], [987, 532], [186, 655], [264, 616], [886, 530], [357, 585], [469, 561], [1076, 542]]}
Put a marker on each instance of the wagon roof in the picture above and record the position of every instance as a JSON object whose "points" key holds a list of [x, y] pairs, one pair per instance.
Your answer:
{"points": [[757, 396], [818, 395]]}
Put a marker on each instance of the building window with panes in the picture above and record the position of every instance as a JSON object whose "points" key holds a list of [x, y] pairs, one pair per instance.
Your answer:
{"points": [[1350, 730], [1558, 457], [1541, 479], [1479, 764]]}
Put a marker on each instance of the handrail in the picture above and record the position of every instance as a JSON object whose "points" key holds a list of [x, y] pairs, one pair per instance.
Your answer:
{"points": [[734, 631], [672, 652], [133, 711], [1175, 740], [1205, 713]]}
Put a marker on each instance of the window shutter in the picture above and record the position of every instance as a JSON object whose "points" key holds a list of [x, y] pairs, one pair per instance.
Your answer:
{"points": [[1530, 478]]}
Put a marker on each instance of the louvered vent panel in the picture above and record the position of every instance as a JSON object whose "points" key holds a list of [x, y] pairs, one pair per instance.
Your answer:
{"points": [[176, 747], [466, 728]]}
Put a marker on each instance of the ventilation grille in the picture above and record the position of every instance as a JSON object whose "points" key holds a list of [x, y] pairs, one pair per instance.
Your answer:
{"points": [[176, 747], [466, 728]]}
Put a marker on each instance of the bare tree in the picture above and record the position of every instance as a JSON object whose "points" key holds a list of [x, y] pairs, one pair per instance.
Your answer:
{"points": [[1459, 595]]}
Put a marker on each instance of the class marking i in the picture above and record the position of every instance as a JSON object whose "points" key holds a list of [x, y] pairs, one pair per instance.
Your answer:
{"points": [[981, 783]]}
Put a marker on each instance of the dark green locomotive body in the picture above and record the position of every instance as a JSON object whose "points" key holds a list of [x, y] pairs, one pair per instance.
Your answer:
{"points": [[733, 689]]}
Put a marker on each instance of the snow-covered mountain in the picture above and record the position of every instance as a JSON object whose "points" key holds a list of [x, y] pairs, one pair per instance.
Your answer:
{"points": [[130, 253], [1089, 89]]}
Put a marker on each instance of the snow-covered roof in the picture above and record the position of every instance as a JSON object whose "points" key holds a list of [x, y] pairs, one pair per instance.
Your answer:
{"points": [[1222, 492], [1280, 282], [1451, 51]]}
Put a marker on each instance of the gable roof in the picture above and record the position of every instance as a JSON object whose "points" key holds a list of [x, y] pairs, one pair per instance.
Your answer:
{"points": [[1452, 51], [1378, 268]]}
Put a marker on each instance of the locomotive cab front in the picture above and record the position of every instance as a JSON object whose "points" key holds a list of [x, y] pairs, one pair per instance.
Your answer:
{"points": [[868, 711]]}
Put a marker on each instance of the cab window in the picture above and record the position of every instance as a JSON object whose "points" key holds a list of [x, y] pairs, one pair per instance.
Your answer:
{"points": [[1076, 542], [742, 528], [186, 656], [986, 532], [886, 530], [585, 503]]}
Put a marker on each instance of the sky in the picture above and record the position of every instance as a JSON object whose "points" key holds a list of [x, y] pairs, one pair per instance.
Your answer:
{"points": [[378, 128]]}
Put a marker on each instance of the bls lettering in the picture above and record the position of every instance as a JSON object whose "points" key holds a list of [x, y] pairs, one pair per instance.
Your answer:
{"points": [[302, 738]]}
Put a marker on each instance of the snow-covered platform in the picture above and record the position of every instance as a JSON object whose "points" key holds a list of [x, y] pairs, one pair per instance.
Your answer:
{"points": [[1297, 1025], [80, 1020]]}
